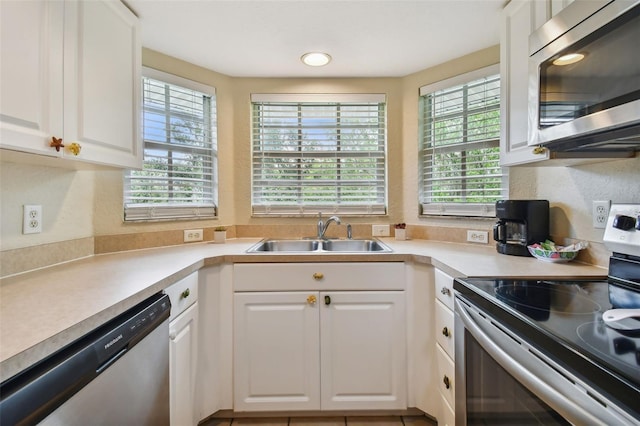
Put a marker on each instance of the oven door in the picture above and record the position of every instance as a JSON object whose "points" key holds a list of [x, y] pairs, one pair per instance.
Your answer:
{"points": [[500, 379]]}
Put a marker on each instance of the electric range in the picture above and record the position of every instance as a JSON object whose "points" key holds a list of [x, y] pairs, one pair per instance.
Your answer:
{"points": [[563, 319]]}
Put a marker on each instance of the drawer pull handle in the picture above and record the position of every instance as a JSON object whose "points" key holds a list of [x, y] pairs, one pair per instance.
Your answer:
{"points": [[327, 300], [445, 332], [445, 291], [312, 300], [318, 276], [185, 294], [447, 382]]}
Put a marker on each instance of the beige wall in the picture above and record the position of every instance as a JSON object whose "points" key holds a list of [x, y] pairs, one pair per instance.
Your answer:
{"points": [[571, 191], [80, 204], [66, 197]]}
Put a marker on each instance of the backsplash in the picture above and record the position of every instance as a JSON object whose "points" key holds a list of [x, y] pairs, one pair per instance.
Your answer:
{"points": [[20, 260], [25, 259]]}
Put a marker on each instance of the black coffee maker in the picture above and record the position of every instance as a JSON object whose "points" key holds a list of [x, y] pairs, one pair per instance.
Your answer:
{"points": [[520, 223]]}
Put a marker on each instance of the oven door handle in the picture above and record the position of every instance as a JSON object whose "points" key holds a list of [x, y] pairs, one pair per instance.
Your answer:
{"points": [[536, 375]]}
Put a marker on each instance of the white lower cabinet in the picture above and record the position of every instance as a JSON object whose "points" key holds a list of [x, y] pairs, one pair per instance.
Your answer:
{"points": [[320, 350], [445, 354], [277, 352], [362, 342], [182, 366], [183, 350]]}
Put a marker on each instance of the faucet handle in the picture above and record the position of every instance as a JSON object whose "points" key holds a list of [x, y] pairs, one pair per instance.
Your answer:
{"points": [[349, 232]]}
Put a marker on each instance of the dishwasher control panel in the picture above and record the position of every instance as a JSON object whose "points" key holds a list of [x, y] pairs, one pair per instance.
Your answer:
{"points": [[124, 335]]}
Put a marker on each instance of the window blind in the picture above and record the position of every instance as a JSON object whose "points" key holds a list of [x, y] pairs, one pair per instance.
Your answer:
{"points": [[459, 147], [179, 175], [311, 154]]}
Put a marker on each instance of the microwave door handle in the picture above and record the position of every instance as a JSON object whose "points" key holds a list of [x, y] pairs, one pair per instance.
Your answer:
{"points": [[537, 376]]}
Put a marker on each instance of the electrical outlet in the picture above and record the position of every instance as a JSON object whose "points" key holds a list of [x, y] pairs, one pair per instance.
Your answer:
{"points": [[380, 230], [191, 235], [600, 213], [32, 219], [477, 236]]}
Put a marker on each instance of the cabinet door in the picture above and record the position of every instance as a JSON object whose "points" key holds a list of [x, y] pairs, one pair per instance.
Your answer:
{"points": [[276, 351], [363, 347], [519, 19], [31, 75], [183, 350], [102, 82]]}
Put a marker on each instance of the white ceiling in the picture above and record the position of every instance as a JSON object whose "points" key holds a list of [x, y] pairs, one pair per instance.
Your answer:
{"points": [[265, 38]]}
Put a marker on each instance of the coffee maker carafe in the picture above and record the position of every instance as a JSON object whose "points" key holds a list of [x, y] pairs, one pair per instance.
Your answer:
{"points": [[520, 223]]}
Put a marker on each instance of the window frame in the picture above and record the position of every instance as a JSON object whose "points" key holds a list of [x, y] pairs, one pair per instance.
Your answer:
{"points": [[451, 209], [146, 212], [299, 208]]}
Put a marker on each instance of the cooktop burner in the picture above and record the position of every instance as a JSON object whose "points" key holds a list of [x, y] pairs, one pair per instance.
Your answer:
{"points": [[612, 346], [538, 299]]}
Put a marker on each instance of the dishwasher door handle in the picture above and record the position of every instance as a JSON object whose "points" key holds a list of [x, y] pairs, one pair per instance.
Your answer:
{"points": [[111, 360]]}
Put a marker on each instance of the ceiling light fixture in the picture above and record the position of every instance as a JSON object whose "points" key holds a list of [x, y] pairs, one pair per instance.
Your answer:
{"points": [[568, 59], [315, 59]]}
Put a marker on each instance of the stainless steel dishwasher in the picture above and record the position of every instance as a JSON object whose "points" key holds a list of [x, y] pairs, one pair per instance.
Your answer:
{"points": [[118, 374]]}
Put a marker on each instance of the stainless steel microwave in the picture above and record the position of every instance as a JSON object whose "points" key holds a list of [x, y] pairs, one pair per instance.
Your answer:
{"points": [[584, 78]]}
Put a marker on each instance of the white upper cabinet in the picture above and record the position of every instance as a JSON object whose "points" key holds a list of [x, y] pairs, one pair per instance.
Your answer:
{"points": [[519, 19], [71, 70], [31, 108]]}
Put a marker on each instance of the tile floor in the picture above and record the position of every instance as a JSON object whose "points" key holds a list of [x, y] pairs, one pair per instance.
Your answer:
{"points": [[324, 421]]}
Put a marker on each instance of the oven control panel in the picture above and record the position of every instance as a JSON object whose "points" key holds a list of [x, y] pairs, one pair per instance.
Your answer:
{"points": [[622, 233]]}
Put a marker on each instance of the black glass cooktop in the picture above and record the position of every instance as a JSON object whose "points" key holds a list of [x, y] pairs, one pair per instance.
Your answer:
{"points": [[564, 319]]}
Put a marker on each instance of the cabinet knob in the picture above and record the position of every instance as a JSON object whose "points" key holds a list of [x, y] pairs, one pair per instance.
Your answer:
{"points": [[327, 300], [539, 150], [312, 300], [75, 148], [446, 332], [445, 291], [318, 276], [56, 143], [185, 294], [447, 382], [172, 335]]}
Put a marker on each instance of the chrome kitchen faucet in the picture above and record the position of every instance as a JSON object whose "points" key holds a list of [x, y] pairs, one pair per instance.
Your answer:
{"points": [[322, 226]]}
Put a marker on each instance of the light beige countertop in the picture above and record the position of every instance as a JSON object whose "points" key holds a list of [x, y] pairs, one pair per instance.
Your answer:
{"points": [[42, 311]]}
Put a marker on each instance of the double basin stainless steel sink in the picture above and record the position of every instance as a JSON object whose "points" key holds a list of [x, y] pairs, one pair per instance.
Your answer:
{"points": [[320, 246]]}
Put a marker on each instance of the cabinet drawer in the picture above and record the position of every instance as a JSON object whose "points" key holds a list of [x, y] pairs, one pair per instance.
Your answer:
{"points": [[444, 328], [444, 288], [446, 376], [318, 276], [447, 415], [182, 294]]}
